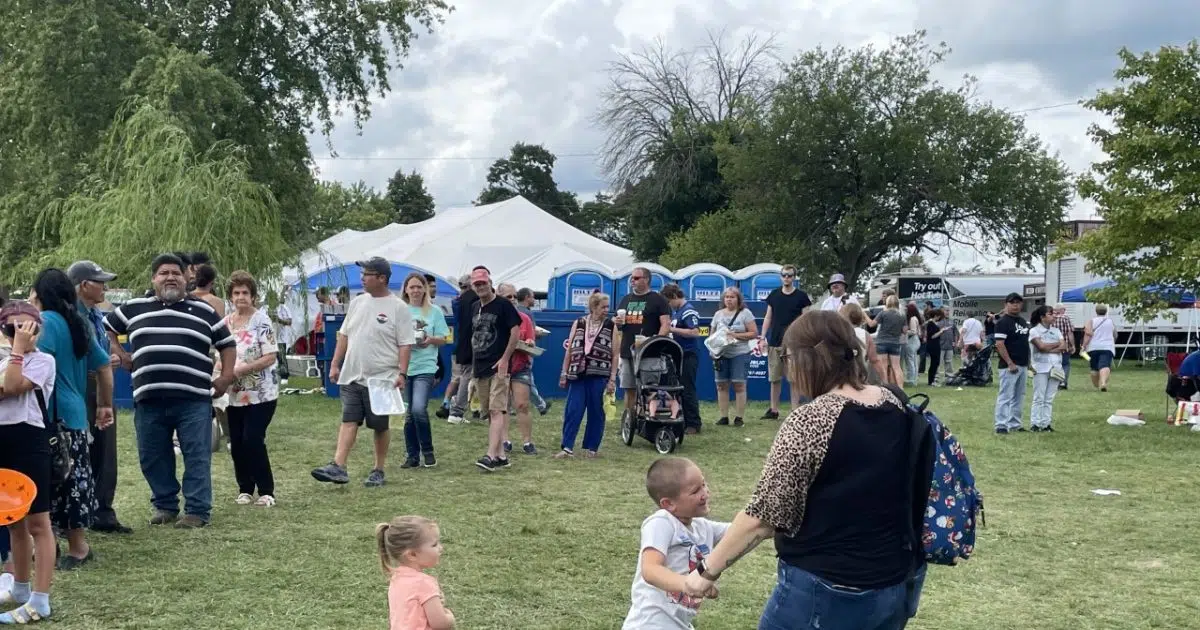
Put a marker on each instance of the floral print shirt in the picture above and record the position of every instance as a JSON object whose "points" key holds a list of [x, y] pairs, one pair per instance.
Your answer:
{"points": [[255, 339]]}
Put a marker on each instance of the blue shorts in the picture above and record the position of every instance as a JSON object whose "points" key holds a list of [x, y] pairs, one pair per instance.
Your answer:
{"points": [[891, 349], [1101, 359], [731, 369], [524, 377]]}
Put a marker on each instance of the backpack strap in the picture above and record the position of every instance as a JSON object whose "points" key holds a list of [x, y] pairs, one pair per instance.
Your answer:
{"points": [[918, 429]]}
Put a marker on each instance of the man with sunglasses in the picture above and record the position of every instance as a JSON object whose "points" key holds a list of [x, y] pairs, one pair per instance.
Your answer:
{"points": [[784, 306], [91, 282], [642, 313]]}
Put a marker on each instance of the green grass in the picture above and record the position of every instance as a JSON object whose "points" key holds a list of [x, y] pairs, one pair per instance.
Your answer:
{"points": [[552, 544]]}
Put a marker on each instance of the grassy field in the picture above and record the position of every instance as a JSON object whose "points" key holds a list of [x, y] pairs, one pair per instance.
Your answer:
{"points": [[552, 544]]}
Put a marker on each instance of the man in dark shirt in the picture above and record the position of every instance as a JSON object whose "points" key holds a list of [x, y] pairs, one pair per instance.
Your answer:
{"points": [[495, 329], [685, 328], [463, 308], [641, 313], [1012, 344], [784, 306]]}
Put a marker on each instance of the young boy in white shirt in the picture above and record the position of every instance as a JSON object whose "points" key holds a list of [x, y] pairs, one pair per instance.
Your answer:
{"points": [[674, 540]]}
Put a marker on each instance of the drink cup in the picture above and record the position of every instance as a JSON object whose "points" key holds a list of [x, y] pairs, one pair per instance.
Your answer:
{"points": [[620, 316]]}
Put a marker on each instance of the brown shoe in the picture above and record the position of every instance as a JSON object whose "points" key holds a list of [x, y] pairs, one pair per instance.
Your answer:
{"points": [[163, 517], [190, 521]]}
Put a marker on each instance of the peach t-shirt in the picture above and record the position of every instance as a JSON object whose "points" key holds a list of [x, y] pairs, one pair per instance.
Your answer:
{"points": [[408, 591]]}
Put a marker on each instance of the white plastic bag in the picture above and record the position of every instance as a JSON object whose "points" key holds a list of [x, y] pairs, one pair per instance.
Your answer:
{"points": [[717, 341], [1123, 421], [386, 400]]}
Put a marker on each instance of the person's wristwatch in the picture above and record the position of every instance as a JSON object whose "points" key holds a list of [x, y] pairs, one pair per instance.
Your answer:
{"points": [[702, 569]]}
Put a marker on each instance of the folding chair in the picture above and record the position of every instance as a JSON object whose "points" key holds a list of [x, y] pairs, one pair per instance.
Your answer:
{"points": [[1177, 388]]}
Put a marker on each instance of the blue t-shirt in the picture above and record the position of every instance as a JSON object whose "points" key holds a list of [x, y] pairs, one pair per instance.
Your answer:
{"points": [[1191, 365], [686, 317], [424, 360], [70, 380]]}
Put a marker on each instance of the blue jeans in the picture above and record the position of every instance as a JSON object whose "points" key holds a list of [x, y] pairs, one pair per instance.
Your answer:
{"points": [[418, 439], [5, 546], [1066, 365], [1011, 400], [1044, 390], [155, 422], [803, 601], [585, 394]]}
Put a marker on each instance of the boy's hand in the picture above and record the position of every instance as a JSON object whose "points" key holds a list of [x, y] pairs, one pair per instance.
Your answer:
{"points": [[697, 586], [712, 592]]}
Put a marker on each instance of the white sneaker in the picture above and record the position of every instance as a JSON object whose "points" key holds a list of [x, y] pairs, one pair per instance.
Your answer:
{"points": [[6, 582], [244, 499], [178, 451], [283, 381], [265, 500], [456, 420]]}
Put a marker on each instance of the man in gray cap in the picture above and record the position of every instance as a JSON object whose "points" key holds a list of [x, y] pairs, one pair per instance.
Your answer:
{"points": [[90, 282]]}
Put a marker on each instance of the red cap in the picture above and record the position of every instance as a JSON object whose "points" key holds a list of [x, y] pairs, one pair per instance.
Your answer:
{"points": [[19, 307], [481, 275]]}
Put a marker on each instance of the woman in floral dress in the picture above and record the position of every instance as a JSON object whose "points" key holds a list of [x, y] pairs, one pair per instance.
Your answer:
{"points": [[254, 393]]}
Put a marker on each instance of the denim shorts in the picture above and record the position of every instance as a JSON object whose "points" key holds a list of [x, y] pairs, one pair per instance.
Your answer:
{"points": [[524, 377], [888, 348], [1101, 360], [731, 369]]}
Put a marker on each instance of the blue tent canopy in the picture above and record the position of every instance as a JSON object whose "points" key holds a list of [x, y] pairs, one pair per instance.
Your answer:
{"points": [[350, 276], [1175, 295]]}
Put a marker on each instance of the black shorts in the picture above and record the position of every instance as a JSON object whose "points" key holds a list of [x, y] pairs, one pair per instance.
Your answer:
{"points": [[26, 449], [356, 407]]}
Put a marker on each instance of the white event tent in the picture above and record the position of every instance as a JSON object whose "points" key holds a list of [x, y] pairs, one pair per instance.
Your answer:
{"points": [[518, 241]]}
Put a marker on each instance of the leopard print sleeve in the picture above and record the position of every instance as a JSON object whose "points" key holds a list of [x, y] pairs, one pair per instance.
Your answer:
{"points": [[799, 449]]}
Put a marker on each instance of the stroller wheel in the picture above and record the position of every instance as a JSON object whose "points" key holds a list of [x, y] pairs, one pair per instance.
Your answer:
{"points": [[627, 427], [664, 441]]}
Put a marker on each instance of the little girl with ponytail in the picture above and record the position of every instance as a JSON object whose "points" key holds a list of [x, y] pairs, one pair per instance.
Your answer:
{"points": [[408, 545]]}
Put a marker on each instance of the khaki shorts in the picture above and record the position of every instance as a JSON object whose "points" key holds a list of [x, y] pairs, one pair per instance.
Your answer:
{"points": [[493, 392], [776, 365]]}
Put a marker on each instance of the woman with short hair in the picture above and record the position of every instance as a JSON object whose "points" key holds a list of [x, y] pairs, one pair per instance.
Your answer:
{"points": [[889, 339], [253, 394], [1100, 342]]}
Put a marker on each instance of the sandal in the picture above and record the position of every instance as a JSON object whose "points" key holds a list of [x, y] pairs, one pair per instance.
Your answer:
{"points": [[592, 454], [21, 616], [265, 500], [564, 454]]}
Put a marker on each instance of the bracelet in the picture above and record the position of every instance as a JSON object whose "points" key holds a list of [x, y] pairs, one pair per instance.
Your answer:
{"points": [[16, 359]]}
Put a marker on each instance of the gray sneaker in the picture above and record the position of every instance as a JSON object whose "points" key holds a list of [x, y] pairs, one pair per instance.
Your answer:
{"points": [[163, 517], [375, 479], [331, 473]]}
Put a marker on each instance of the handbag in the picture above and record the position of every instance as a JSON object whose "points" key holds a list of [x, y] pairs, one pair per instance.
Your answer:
{"points": [[60, 442], [1057, 373]]}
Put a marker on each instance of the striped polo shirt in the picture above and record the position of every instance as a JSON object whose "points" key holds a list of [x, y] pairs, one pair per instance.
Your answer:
{"points": [[172, 346]]}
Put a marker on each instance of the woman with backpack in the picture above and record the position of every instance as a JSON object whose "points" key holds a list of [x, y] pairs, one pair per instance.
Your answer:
{"points": [[731, 364], [844, 510]]}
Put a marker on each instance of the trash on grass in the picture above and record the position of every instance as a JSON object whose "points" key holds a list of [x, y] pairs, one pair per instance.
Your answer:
{"points": [[1106, 493]]}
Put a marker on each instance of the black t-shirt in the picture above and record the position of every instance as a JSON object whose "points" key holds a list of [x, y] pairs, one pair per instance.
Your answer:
{"points": [[989, 327], [1013, 330], [642, 313], [464, 307], [785, 308], [491, 328], [931, 329], [858, 514]]}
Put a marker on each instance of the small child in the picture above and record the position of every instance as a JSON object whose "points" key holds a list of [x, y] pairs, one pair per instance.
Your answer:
{"points": [[408, 545], [662, 398], [674, 540]]}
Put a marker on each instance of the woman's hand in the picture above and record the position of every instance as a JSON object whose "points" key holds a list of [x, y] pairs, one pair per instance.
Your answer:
{"points": [[611, 386], [697, 586], [241, 369], [562, 381]]}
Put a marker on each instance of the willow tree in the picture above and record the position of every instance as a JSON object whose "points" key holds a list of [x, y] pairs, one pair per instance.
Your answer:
{"points": [[157, 192]]}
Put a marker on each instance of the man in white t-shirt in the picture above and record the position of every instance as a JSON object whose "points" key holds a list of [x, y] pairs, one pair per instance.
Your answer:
{"points": [[837, 294], [283, 332], [374, 342], [971, 334]]}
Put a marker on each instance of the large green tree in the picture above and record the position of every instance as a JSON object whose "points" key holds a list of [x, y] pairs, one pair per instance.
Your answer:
{"points": [[338, 207], [860, 155], [1147, 188], [528, 171], [410, 201]]}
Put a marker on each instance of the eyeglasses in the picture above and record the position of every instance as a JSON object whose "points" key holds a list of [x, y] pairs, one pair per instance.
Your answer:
{"points": [[788, 275]]}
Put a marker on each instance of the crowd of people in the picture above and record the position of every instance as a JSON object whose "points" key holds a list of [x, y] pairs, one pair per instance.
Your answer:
{"points": [[191, 354]]}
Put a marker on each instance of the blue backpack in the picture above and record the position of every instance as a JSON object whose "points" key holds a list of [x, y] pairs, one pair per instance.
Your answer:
{"points": [[949, 524]]}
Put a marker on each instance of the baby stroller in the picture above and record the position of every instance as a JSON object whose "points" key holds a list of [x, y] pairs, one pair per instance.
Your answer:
{"points": [[977, 372], [655, 367]]}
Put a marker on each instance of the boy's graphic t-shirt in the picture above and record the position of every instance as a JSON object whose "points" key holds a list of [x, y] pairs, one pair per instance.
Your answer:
{"points": [[642, 313], [684, 547]]}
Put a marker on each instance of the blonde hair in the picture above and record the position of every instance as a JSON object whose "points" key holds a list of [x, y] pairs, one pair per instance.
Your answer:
{"points": [[853, 313], [399, 535], [595, 299], [404, 289], [892, 302], [741, 302], [1101, 309]]}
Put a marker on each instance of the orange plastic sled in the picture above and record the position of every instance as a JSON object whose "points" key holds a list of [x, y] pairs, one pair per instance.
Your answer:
{"points": [[16, 495]]}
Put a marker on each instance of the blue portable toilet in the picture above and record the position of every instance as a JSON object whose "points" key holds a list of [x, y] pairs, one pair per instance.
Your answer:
{"points": [[705, 282], [757, 281], [660, 276], [573, 284]]}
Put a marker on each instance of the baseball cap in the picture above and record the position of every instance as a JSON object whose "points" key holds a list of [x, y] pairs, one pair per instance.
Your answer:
{"points": [[1013, 297], [19, 307], [376, 265], [481, 275], [86, 270]]}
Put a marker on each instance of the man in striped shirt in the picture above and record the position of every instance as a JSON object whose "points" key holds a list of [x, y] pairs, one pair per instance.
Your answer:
{"points": [[1062, 321], [172, 336]]}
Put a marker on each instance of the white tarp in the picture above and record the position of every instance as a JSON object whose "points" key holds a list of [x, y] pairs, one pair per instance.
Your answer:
{"points": [[510, 235]]}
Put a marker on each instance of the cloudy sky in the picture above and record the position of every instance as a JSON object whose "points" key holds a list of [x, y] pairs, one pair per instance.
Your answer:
{"points": [[504, 71]]}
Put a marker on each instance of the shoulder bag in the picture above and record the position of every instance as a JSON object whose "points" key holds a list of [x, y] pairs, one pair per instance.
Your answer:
{"points": [[60, 441]]}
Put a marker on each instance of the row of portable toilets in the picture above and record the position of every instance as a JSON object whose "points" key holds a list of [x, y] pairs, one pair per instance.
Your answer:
{"points": [[572, 285]]}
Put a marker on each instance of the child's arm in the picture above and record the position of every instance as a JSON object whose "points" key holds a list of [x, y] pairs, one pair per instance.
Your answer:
{"points": [[656, 573], [440, 617]]}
